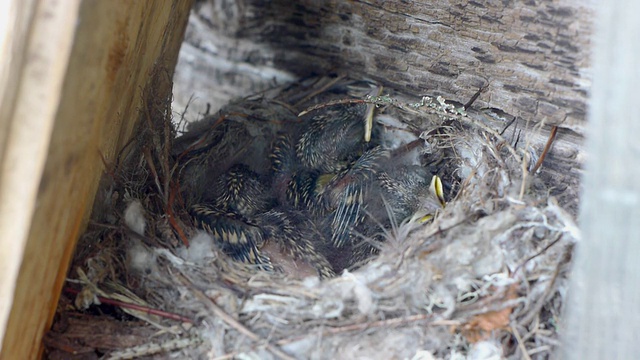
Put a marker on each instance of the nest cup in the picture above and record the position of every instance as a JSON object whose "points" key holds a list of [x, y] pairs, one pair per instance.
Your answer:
{"points": [[489, 267]]}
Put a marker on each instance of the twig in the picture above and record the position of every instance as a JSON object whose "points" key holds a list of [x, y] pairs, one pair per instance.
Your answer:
{"points": [[543, 299], [124, 229], [492, 132], [405, 148], [508, 124], [475, 96], [334, 103], [319, 91], [152, 167], [230, 355], [172, 218], [547, 147], [376, 324], [466, 183], [525, 163], [231, 321], [390, 323], [136, 307], [523, 348], [539, 349], [165, 158], [440, 230], [152, 348], [537, 254]]}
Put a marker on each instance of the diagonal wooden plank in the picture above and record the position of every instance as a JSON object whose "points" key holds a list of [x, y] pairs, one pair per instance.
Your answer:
{"points": [[604, 316], [97, 57]]}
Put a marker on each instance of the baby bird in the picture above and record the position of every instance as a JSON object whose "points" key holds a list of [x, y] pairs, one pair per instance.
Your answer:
{"points": [[238, 196], [241, 191], [324, 198], [237, 238], [296, 236], [333, 138]]}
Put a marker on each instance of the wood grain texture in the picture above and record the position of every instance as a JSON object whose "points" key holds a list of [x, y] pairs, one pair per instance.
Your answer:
{"points": [[15, 21], [604, 319], [33, 67], [533, 56], [118, 46]]}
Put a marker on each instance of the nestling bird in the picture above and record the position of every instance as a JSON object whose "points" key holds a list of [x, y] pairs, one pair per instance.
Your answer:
{"points": [[333, 138], [352, 186], [297, 236], [242, 219], [238, 195], [241, 133], [241, 191], [238, 239], [323, 198]]}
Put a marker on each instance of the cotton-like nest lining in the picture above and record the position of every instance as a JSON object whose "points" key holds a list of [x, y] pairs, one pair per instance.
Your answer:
{"points": [[484, 279]]}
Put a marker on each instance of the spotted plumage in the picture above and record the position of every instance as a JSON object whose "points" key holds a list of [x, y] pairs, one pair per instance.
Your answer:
{"points": [[295, 185], [238, 239], [240, 190], [296, 236], [325, 197], [347, 192], [334, 137], [404, 187]]}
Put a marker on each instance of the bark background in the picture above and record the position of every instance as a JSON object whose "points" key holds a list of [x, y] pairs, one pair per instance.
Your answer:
{"points": [[532, 56]]}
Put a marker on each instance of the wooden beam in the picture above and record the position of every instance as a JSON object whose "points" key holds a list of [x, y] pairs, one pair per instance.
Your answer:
{"points": [[34, 65], [79, 95], [604, 311]]}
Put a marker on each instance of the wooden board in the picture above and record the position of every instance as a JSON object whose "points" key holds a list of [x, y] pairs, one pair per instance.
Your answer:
{"points": [[604, 318], [86, 65]]}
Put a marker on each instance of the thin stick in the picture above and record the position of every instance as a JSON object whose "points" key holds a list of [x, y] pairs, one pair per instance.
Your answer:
{"points": [[319, 91], [543, 299], [475, 96], [547, 147], [165, 158], [172, 218], [508, 124], [136, 307], [389, 323], [231, 321], [152, 167], [334, 103], [376, 324], [515, 332], [536, 254]]}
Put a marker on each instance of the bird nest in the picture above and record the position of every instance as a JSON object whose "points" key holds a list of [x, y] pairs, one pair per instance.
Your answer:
{"points": [[482, 276]]}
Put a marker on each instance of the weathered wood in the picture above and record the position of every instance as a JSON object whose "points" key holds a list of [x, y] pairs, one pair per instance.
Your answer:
{"points": [[533, 56], [604, 317], [15, 18], [33, 70], [80, 93]]}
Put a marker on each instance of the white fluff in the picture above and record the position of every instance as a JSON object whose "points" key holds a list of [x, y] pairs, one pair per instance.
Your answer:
{"points": [[140, 259], [201, 249], [134, 217], [485, 350]]}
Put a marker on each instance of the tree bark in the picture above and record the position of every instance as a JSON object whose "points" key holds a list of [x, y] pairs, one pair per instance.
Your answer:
{"points": [[532, 56]]}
